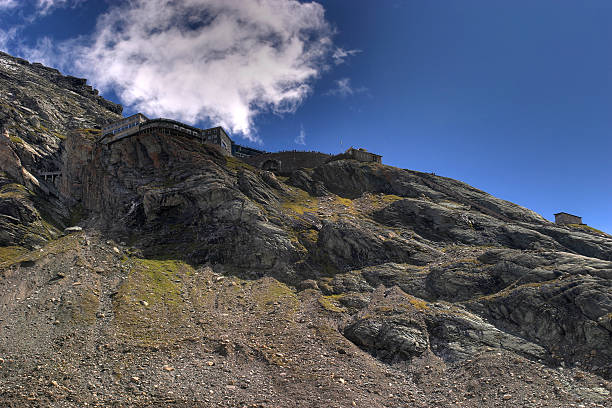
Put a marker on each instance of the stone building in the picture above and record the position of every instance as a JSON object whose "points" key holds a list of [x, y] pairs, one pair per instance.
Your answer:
{"points": [[140, 124], [217, 136], [363, 155], [244, 151], [563, 218], [124, 127]]}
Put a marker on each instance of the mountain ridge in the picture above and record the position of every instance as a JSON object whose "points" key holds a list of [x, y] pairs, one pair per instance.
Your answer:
{"points": [[201, 280]]}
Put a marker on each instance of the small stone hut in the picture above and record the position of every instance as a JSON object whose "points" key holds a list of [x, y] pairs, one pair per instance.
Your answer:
{"points": [[363, 155], [564, 218]]}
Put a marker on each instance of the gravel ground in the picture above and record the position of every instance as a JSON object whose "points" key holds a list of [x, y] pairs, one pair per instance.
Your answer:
{"points": [[83, 322]]}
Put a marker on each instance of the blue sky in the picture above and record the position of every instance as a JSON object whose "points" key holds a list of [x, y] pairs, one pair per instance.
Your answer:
{"points": [[512, 97]]}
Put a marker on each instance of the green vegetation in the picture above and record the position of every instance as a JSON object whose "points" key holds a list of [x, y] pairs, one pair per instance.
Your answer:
{"points": [[515, 287], [89, 134], [390, 198], [16, 139], [7, 107], [459, 262], [330, 303], [300, 202], [273, 291], [237, 164], [90, 130], [419, 304], [14, 190], [154, 281], [10, 253], [344, 201], [148, 306], [586, 228], [15, 254], [86, 309], [309, 237]]}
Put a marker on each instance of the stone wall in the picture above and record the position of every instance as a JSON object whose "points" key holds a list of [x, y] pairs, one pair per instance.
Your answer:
{"points": [[363, 155], [285, 163], [564, 219]]}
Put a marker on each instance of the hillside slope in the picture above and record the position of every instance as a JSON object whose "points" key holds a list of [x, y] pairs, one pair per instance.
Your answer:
{"points": [[38, 106], [199, 280]]}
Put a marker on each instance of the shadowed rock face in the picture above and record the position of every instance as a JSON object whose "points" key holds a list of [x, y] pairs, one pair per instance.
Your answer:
{"points": [[346, 282], [148, 188], [38, 106]]}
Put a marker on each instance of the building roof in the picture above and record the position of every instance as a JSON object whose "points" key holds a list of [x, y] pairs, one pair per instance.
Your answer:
{"points": [[559, 213], [361, 149], [126, 119]]}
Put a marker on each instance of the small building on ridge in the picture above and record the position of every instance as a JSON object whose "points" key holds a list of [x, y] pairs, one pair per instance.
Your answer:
{"points": [[363, 155], [564, 218], [217, 136], [124, 126]]}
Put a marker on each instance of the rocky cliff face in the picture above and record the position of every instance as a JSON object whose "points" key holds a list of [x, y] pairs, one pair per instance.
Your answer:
{"points": [[200, 280], [38, 106]]}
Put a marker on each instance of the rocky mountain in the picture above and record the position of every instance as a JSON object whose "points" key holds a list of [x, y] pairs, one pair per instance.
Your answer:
{"points": [[199, 280], [38, 106]]}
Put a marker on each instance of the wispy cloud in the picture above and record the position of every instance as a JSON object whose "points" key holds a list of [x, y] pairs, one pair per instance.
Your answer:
{"points": [[6, 37], [7, 4], [301, 138], [44, 7], [340, 55], [343, 88], [10, 38], [44, 51]]}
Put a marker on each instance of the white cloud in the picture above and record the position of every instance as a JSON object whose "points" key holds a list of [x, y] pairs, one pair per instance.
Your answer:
{"points": [[301, 138], [12, 38], [344, 88], [340, 55], [219, 60], [44, 52], [7, 4], [6, 37], [44, 7]]}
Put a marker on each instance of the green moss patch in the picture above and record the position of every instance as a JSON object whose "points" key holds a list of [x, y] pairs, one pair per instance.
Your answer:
{"points": [[515, 287], [89, 134], [330, 303], [86, 308], [15, 254], [237, 164], [417, 303], [270, 293], [17, 140], [300, 202], [10, 253], [155, 281], [586, 228], [148, 306], [14, 190]]}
